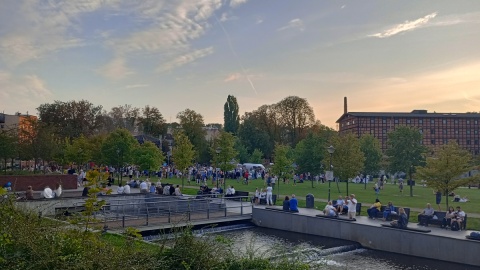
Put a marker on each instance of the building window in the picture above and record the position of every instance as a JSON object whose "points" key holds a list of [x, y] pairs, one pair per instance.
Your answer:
{"points": [[468, 122], [476, 142], [456, 131], [432, 131], [468, 131], [432, 141], [384, 121], [476, 131], [445, 131], [372, 132], [476, 122], [432, 121], [348, 123], [421, 131], [384, 131], [468, 142], [444, 121], [420, 121], [372, 120], [408, 121], [396, 121], [456, 121]]}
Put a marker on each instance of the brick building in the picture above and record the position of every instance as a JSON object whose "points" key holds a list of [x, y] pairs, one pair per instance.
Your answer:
{"points": [[437, 128], [15, 122]]}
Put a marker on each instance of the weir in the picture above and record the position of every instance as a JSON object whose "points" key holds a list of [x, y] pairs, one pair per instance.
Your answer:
{"points": [[438, 244]]}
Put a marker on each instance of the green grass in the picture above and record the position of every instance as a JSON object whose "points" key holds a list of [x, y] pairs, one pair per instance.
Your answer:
{"points": [[119, 242]]}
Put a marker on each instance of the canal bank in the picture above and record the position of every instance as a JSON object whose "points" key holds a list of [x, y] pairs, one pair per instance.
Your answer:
{"points": [[438, 244]]}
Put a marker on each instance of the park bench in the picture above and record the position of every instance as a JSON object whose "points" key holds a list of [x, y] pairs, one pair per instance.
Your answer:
{"points": [[439, 220], [358, 206], [393, 216]]}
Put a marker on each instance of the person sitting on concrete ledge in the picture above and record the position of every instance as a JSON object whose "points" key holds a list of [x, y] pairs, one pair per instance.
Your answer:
{"points": [[143, 187], [402, 221], [286, 204], [329, 210], [29, 193], [47, 193], [293, 204], [389, 209], [426, 215], [126, 189], [341, 205], [374, 209]]}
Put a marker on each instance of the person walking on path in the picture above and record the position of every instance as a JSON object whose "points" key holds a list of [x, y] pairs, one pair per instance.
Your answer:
{"points": [[438, 198]]}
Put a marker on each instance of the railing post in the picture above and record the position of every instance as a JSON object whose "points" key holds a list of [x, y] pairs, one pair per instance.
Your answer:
{"points": [[147, 218], [123, 221], [208, 209], [241, 207], [189, 210]]}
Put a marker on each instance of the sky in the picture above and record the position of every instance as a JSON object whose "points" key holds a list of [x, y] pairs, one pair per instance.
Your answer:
{"points": [[385, 56]]}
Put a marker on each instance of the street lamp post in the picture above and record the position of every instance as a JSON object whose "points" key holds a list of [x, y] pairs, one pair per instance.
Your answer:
{"points": [[411, 182], [216, 165], [330, 150]]}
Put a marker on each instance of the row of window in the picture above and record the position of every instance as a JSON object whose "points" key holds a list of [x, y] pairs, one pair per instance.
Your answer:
{"points": [[420, 121]]}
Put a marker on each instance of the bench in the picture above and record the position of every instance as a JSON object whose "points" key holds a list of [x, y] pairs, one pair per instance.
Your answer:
{"points": [[264, 200], [391, 217], [358, 206], [238, 196], [336, 218], [407, 229], [439, 221]]}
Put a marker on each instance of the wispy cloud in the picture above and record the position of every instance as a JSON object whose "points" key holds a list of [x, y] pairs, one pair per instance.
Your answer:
{"points": [[293, 24], [235, 3], [406, 26], [28, 90], [130, 86], [115, 69], [342, 7], [186, 58], [233, 77]]}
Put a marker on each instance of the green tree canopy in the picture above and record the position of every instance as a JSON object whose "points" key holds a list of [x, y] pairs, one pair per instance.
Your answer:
{"points": [[443, 171], [256, 157], [118, 147], [192, 125], [148, 156], [152, 121], [223, 151], [283, 163], [243, 155], [405, 149], [310, 152], [370, 147], [182, 152], [8, 146], [78, 151], [230, 115], [348, 159]]}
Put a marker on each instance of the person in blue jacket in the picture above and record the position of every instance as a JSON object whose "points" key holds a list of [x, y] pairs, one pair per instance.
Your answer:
{"points": [[293, 204]]}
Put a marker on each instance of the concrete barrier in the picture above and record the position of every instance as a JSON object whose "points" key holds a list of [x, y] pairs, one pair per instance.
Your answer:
{"points": [[426, 245]]}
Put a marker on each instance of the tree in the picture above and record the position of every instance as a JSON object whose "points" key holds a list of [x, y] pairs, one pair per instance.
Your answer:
{"points": [[443, 171], [71, 119], [223, 151], [253, 135], [192, 125], [295, 117], [79, 151], [125, 116], [256, 157], [310, 152], [348, 160], [283, 164], [243, 155], [152, 122], [8, 147], [405, 151], [117, 149], [230, 115], [372, 152], [148, 157], [182, 153]]}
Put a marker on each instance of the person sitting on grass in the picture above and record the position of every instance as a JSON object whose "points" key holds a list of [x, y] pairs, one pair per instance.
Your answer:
{"points": [[293, 204], [374, 209], [389, 209], [286, 204], [402, 221], [329, 210]]}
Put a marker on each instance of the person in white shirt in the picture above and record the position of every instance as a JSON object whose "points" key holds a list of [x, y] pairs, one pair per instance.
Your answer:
{"points": [[269, 195], [340, 205], [257, 196], [233, 191], [166, 190], [459, 217], [143, 187], [330, 210], [47, 193], [177, 191], [120, 190], [126, 189], [58, 192], [352, 206]]}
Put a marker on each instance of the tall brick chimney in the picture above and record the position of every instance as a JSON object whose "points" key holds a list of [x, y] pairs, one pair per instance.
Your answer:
{"points": [[345, 108]]}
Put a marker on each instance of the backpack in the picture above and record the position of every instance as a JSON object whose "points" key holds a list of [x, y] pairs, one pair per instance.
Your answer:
{"points": [[455, 226]]}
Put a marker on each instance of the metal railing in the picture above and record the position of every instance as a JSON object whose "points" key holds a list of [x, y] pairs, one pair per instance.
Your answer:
{"points": [[158, 210]]}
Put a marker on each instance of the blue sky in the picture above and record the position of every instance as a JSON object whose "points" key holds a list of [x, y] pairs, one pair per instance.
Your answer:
{"points": [[382, 55]]}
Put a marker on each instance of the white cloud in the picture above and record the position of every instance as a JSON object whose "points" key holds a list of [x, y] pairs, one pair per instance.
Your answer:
{"points": [[186, 58], [342, 7], [259, 21], [25, 92], [115, 69], [293, 24], [233, 77], [235, 3], [407, 26]]}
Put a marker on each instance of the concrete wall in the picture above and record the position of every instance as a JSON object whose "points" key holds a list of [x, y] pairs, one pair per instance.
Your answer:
{"points": [[374, 237], [38, 182]]}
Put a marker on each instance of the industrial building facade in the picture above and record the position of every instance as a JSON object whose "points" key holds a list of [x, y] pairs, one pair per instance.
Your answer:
{"points": [[437, 128]]}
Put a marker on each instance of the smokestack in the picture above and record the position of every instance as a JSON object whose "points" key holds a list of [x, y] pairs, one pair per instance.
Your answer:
{"points": [[345, 110]]}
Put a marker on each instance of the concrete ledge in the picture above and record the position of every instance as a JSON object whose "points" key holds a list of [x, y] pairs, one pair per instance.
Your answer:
{"points": [[436, 245], [407, 229], [337, 218]]}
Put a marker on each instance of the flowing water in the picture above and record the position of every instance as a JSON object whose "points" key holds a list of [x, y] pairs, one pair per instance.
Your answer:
{"points": [[327, 253]]}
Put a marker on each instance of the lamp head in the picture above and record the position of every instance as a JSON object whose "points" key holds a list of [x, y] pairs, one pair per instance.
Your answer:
{"points": [[331, 149]]}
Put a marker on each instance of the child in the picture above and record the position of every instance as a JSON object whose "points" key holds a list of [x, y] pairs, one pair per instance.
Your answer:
{"points": [[400, 186]]}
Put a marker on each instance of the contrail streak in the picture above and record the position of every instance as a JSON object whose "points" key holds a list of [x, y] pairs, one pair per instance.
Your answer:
{"points": [[235, 54]]}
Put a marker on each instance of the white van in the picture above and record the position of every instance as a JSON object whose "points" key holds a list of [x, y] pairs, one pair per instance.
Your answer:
{"points": [[250, 166]]}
